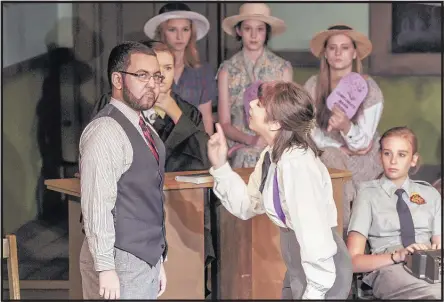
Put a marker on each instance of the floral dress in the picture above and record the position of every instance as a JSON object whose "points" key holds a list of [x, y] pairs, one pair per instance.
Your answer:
{"points": [[241, 73]]}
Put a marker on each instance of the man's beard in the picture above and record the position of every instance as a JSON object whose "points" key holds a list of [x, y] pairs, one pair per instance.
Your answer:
{"points": [[136, 103]]}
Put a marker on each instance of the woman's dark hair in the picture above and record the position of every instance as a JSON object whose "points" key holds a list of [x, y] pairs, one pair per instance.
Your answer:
{"points": [[267, 35]]}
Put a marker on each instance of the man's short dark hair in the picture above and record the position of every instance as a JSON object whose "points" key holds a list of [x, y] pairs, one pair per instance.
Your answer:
{"points": [[120, 56]]}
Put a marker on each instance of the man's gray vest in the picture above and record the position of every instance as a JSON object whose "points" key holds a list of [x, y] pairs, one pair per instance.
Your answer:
{"points": [[139, 216]]}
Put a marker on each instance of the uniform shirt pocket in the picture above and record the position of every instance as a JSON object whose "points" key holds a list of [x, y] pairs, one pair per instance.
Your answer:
{"points": [[386, 223]]}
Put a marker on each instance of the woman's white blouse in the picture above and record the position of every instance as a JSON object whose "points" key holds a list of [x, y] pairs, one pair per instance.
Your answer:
{"points": [[306, 196]]}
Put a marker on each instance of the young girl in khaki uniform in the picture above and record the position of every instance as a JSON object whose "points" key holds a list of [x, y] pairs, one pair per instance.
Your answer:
{"points": [[397, 216]]}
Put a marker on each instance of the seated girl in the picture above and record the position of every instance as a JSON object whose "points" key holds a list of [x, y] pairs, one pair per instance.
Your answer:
{"points": [[179, 124], [396, 215], [293, 187], [348, 144]]}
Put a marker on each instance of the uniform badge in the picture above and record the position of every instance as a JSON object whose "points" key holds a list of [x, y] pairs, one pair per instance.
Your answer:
{"points": [[416, 198]]}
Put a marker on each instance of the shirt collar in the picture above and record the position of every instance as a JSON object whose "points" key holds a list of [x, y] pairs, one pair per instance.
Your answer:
{"points": [[390, 188], [269, 149], [132, 115], [149, 115]]}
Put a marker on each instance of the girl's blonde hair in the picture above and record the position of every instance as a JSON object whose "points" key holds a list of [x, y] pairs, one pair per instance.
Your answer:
{"points": [[191, 56], [405, 133], [323, 88]]}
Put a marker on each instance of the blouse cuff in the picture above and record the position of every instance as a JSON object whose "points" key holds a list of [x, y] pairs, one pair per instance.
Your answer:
{"points": [[352, 133], [222, 172]]}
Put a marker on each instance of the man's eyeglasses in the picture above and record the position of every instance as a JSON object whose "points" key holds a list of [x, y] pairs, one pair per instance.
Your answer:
{"points": [[146, 77]]}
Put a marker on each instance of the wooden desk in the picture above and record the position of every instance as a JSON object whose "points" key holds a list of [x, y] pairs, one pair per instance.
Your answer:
{"points": [[184, 222], [248, 249]]}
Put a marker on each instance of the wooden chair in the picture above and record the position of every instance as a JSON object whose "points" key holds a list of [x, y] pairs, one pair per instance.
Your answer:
{"points": [[361, 291], [10, 253]]}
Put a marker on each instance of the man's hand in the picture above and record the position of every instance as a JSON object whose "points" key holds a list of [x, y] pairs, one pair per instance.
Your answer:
{"points": [[162, 280], [109, 285]]}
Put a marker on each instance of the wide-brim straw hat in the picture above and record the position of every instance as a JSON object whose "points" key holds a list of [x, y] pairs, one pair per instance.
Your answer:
{"points": [[254, 11], [177, 10], [363, 44]]}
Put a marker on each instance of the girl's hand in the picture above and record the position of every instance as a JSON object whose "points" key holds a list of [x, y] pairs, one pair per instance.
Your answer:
{"points": [[338, 121], [217, 148], [399, 256]]}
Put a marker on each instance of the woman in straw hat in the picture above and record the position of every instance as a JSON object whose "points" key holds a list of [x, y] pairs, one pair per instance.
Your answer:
{"points": [[347, 144], [180, 28], [253, 27]]}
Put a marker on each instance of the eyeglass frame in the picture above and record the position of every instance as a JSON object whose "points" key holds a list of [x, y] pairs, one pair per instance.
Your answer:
{"points": [[138, 76]]}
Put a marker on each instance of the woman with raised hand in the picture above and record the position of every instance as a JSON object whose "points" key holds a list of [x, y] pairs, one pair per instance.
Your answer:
{"points": [[194, 81], [293, 187]]}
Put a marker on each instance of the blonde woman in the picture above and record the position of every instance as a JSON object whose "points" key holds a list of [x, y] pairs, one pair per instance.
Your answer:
{"points": [[347, 144], [194, 81]]}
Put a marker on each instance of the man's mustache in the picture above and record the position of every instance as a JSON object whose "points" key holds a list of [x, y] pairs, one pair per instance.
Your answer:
{"points": [[150, 93]]}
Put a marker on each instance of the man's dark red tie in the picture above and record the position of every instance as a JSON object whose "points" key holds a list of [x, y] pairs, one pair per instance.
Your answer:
{"points": [[147, 133]]}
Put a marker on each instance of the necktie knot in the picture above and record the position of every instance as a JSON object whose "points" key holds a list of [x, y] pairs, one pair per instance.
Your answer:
{"points": [[142, 122], [399, 192]]}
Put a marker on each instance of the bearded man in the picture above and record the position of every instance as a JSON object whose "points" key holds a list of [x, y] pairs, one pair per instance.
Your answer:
{"points": [[122, 163]]}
